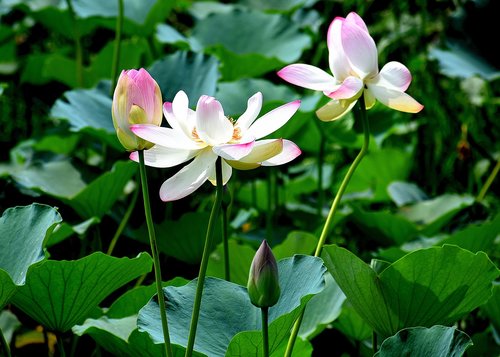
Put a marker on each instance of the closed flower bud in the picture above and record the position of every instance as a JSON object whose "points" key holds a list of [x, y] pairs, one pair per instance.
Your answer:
{"points": [[263, 283], [137, 100]]}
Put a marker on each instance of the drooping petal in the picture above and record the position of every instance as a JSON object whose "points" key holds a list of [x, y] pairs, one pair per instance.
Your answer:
{"points": [[273, 120], [290, 151], [211, 124], [166, 137], [307, 76], [254, 105], [395, 99], [233, 151], [360, 49], [227, 171], [159, 156], [263, 150], [393, 75], [190, 178], [356, 19], [350, 88], [335, 109], [339, 65]]}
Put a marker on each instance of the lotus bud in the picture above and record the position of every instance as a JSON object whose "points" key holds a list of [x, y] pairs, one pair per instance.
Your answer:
{"points": [[137, 100], [263, 283]]}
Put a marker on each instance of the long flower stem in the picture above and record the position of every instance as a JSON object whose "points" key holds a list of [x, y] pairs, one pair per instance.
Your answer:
{"points": [[204, 260], [374, 342], [333, 209], [265, 330], [123, 222], [78, 45], [5, 344], [154, 251], [60, 346], [225, 239], [116, 52], [489, 181]]}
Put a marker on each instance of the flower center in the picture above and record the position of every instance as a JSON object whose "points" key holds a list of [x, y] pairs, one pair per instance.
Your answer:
{"points": [[195, 136]]}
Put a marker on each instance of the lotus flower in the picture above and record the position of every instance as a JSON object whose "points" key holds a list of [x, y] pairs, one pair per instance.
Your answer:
{"points": [[136, 100], [206, 134], [354, 64], [263, 281]]}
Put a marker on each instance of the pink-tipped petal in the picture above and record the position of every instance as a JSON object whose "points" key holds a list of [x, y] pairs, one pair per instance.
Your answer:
{"points": [[335, 109], [395, 99], [189, 179], [273, 120], [339, 65], [307, 76], [350, 88], [233, 151], [159, 156], [356, 19], [393, 75], [166, 137], [211, 124], [290, 151], [254, 105], [360, 50], [227, 171]]}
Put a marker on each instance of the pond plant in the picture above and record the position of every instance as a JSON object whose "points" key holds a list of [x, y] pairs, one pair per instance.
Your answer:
{"points": [[348, 213]]}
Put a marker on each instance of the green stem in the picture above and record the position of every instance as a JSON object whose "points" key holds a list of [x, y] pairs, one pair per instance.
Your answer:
{"points": [[488, 182], [374, 342], [116, 52], [271, 205], [5, 345], [78, 45], [154, 251], [204, 260], [321, 161], [333, 209], [225, 239], [60, 346], [265, 331], [124, 222]]}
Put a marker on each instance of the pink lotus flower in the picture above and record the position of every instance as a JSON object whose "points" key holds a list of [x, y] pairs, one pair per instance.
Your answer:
{"points": [[136, 100], [354, 65], [206, 134]]}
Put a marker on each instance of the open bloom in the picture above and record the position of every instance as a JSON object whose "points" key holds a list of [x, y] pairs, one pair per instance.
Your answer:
{"points": [[206, 134], [354, 64], [136, 100]]}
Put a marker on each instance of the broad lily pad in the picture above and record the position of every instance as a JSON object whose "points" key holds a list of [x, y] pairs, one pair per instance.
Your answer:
{"points": [[23, 231], [226, 309], [427, 287], [422, 342], [60, 294]]}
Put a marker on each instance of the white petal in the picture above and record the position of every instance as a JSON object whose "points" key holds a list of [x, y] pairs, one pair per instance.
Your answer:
{"points": [[356, 19], [233, 151], [393, 75], [184, 126], [227, 171], [369, 99], [254, 105], [360, 50], [350, 88], [211, 124], [262, 150], [395, 99], [339, 65], [273, 120], [307, 76], [166, 137], [335, 109], [190, 178], [159, 156], [290, 151]]}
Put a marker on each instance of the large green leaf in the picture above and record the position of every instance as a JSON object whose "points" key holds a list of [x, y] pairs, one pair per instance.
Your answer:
{"points": [[492, 307], [7, 288], [427, 287], [264, 43], [240, 258], [226, 309], [60, 294], [439, 341], [281, 5], [194, 73], [351, 324], [23, 231]]}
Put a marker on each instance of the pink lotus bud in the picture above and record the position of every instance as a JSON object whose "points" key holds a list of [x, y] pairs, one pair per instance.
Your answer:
{"points": [[137, 100], [263, 282]]}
